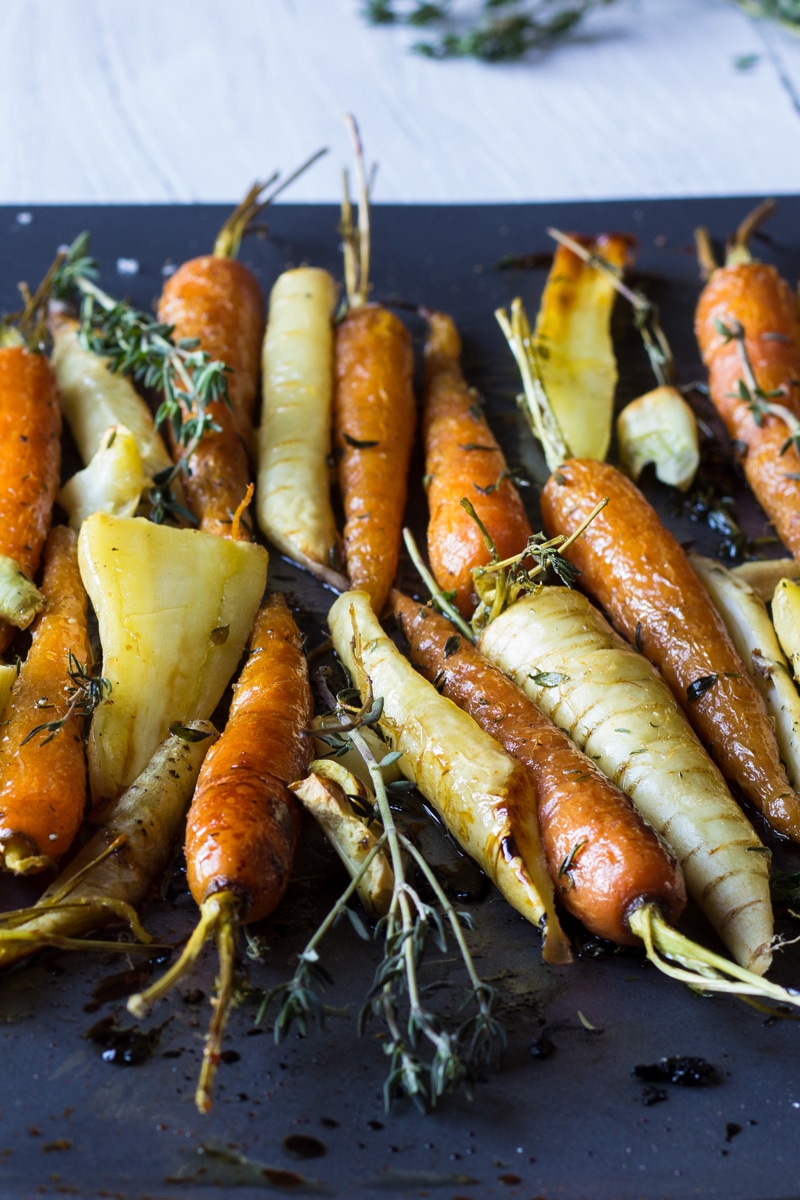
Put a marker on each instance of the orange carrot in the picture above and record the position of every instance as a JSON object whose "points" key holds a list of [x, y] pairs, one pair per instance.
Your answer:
{"points": [[43, 774], [752, 298], [640, 574], [605, 861], [463, 459], [30, 451], [243, 824], [374, 418], [219, 302]]}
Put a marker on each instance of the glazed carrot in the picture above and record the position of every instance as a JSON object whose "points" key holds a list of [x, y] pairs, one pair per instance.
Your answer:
{"points": [[604, 860], [463, 459], [748, 331], [243, 824], [373, 413], [373, 434], [43, 775], [642, 577], [30, 452], [217, 300]]}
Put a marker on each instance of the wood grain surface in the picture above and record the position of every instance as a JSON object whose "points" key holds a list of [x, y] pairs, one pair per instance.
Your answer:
{"points": [[190, 100]]}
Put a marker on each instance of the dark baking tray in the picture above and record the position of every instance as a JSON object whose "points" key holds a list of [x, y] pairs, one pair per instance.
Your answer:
{"points": [[573, 1124]]}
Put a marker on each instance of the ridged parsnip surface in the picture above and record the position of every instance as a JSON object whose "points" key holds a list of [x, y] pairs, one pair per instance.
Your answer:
{"points": [[616, 707], [483, 795]]}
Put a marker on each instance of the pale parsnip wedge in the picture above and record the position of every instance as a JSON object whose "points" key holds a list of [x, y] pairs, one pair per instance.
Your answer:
{"points": [[573, 345], [8, 676], [617, 708], [174, 608], [786, 618], [483, 795], [20, 599], [112, 483], [748, 622], [292, 497], [94, 398], [765, 576], [351, 837], [659, 428]]}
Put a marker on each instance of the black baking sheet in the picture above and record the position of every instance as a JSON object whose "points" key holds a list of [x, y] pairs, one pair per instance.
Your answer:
{"points": [[573, 1124]]}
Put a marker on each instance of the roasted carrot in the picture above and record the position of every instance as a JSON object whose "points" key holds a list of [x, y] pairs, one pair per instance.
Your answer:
{"points": [[373, 415], [642, 577], [748, 331], [30, 451], [43, 774], [603, 858], [244, 822], [463, 459], [218, 301]]}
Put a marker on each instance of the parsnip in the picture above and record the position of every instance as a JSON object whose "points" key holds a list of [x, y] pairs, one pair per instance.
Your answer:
{"points": [[20, 599], [94, 398], [325, 796], [748, 622], [113, 481], [484, 796], [765, 576], [616, 707], [292, 497], [786, 615], [659, 428], [573, 345], [174, 607]]}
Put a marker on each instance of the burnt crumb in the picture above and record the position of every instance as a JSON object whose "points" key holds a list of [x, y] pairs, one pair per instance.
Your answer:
{"points": [[731, 1130], [124, 1046], [541, 1046], [683, 1070], [653, 1095]]}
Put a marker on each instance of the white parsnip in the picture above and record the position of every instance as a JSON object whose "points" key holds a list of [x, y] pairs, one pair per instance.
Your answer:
{"points": [[616, 707], [94, 398], [172, 632], [765, 575], [786, 616], [113, 481], [484, 797], [20, 599], [294, 441], [659, 428], [748, 622]]}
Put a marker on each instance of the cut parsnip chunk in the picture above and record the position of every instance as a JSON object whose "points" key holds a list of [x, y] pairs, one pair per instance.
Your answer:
{"points": [[112, 483], [484, 797], [20, 599], [294, 441], [8, 676], [94, 399], [327, 800], [786, 618], [659, 428], [174, 608], [765, 576], [748, 622], [573, 345]]}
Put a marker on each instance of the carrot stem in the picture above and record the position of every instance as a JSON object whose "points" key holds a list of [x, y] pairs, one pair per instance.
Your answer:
{"points": [[226, 928]]}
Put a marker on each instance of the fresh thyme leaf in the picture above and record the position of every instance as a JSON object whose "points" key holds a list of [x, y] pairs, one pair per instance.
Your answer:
{"points": [[451, 645], [188, 735], [476, 446], [695, 690], [784, 887], [548, 679]]}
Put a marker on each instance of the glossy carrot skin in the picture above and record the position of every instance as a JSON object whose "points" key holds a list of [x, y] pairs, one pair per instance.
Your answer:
{"points": [[374, 419], [218, 301], [614, 860], [43, 782], [30, 458], [462, 458], [641, 576], [756, 296], [244, 823]]}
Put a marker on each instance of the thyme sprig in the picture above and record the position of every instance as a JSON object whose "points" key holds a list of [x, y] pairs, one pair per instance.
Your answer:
{"points": [[499, 31], [137, 344], [427, 1058], [85, 691], [760, 402]]}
